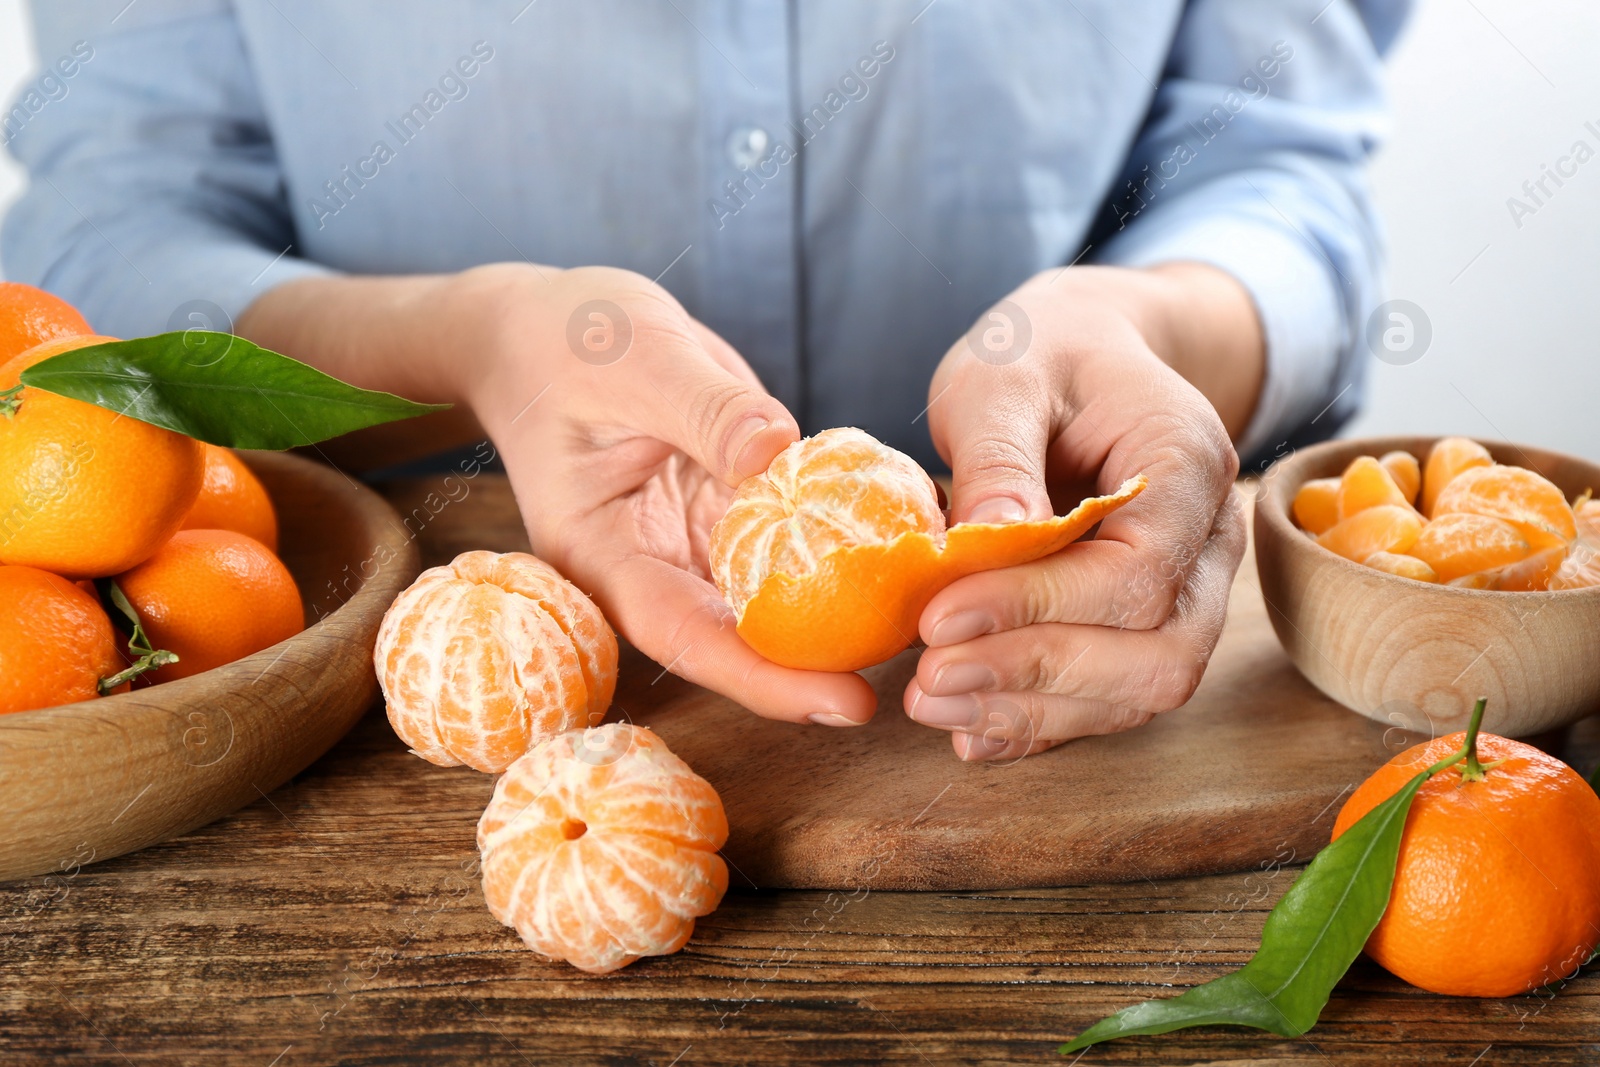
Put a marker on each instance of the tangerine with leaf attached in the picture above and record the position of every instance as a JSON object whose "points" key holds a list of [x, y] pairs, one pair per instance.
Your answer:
{"points": [[85, 492], [1497, 886]]}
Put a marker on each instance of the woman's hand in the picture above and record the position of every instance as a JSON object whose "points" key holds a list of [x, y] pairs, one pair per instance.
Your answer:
{"points": [[1059, 392], [624, 425]]}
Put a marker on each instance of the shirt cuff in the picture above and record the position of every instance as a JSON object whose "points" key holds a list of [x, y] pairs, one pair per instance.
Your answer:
{"points": [[1301, 315]]}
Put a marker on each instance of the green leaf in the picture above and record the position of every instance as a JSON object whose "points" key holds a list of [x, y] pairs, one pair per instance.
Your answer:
{"points": [[1312, 936], [218, 388]]}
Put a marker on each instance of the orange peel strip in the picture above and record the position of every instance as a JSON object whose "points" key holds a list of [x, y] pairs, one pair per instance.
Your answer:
{"points": [[861, 604]]}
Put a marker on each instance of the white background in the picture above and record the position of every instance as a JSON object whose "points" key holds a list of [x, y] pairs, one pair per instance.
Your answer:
{"points": [[1485, 92]]}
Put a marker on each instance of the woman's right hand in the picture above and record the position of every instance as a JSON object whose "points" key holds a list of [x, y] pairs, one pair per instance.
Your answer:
{"points": [[625, 425]]}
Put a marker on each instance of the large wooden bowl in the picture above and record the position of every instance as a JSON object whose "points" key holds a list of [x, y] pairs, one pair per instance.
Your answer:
{"points": [[1417, 655], [88, 781]]}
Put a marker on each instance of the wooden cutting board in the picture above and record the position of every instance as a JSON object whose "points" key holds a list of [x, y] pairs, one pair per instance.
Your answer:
{"points": [[1251, 772]]}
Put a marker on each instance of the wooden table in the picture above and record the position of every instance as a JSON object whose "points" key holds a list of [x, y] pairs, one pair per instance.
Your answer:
{"points": [[339, 920]]}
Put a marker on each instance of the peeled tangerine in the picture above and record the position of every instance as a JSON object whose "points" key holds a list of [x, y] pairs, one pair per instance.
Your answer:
{"points": [[830, 556], [600, 846], [481, 659]]}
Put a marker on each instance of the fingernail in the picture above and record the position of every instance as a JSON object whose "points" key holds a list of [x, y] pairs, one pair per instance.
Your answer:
{"points": [[979, 746], [998, 509], [827, 719], [945, 711], [962, 626], [744, 436], [961, 678]]}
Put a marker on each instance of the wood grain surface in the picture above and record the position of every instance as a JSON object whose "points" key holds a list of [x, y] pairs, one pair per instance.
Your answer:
{"points": [[339, 920]]}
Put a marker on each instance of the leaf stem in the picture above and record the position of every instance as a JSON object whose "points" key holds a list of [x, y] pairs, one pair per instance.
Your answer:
{"points": [[148, 662], [1473, 771], [146, 658], [10, 401]]}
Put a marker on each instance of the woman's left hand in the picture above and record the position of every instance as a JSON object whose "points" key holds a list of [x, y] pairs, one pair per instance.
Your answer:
{"points": [[1059, 391]]}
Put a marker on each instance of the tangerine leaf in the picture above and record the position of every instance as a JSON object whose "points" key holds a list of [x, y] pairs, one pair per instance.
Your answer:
{"points": [[1310, 939], [220, 389]]}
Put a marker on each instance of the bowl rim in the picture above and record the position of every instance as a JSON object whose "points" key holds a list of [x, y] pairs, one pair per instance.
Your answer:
{"points": [[1286, 474]]}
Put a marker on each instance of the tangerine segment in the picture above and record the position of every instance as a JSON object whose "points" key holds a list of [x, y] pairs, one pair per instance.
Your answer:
{"points": [[599, 847], [1405, 470], [1404, 566], [1497, 886], [1458, 544], [1367, 484], [1530, 502], [56, 642], [1581, 568], [1586, 513], [1316, 505], [861, 605], [1533, 574], [84, 492], [1448, 458], [483, 658], [1384, 528]]}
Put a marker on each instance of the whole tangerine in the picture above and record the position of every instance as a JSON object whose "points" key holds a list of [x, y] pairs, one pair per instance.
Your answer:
{"points": [[211, 597], [30, 317], [232, 498], [86, 492], [829, 557], [483, 658], [1497, 887], [56, 642], [600, 847]]}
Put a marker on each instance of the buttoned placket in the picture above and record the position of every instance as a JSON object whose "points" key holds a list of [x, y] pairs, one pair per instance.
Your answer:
{"points": [[749, 265]]}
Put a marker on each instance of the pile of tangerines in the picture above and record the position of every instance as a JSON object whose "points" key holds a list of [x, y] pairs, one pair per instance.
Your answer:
{"points": [[1461, 520], [104, 518]]}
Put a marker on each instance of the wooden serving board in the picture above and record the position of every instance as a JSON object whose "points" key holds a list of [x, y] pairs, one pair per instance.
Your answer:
{"points": [[1251, 772]]}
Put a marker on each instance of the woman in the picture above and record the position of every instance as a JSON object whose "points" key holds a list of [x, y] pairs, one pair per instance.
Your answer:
{"points": [[643, 246]]}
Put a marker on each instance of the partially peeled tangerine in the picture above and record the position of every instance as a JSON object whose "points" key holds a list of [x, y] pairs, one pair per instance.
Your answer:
{"points": [[829, 557]]}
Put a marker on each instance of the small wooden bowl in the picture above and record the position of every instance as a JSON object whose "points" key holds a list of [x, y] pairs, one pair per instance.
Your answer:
{"points": [[1416, 655], [88, 781]]}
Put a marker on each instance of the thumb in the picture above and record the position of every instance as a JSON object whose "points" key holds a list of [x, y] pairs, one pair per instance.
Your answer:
{"points": [[725, 422], [993, 429]]}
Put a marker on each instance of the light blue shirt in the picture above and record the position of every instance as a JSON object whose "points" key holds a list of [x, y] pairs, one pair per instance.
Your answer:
{"points": [[838, 187]]}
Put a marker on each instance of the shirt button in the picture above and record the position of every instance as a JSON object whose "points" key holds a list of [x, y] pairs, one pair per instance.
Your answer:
{"points": [[747, 146]]}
